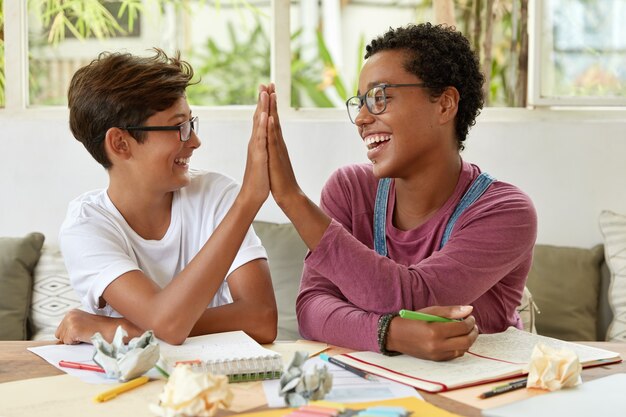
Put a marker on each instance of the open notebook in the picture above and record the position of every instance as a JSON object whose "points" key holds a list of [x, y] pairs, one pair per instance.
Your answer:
{"points": [[234, 354], [493, 357]]}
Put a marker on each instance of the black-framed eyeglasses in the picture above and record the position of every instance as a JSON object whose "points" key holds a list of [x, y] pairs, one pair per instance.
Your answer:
{"points": [[375, 99], [184, 129]]}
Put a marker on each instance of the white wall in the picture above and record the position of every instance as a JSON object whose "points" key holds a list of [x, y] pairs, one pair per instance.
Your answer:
{"points": [[571, 164]]}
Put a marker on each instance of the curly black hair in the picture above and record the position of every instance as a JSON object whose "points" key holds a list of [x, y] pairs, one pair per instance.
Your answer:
{"points": [[441, 57]]}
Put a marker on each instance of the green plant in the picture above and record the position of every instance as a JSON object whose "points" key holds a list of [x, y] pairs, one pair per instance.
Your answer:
{"points": [[231, 74], [496, 30], [84, 18], [92, 18], [316, 78]]}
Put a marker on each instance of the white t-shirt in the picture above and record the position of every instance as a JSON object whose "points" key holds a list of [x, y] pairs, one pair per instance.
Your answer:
{"points": [[99, 246]]}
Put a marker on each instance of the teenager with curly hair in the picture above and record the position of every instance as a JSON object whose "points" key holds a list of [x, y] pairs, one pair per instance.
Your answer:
{"points": [[418, 228]]}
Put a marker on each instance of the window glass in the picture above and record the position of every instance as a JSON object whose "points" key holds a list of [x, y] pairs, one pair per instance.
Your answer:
{"points": [[1, 53], [229, 47], [329, 40], [583, 49], [226, 42], [328, 44]]}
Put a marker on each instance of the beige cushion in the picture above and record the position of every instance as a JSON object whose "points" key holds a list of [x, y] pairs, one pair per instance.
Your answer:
{"points": [[18, 257], [286, 252], [53, 296], [613, 227], [565, 284]]}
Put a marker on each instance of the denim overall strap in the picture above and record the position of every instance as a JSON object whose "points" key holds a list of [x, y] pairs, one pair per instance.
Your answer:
{"points": [[478, 187], [380, 216]]}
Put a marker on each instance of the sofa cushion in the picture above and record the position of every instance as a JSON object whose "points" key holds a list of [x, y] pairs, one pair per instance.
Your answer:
{"points": [[18, 257], [565, 285], [285, 252], [53, 296], [613, 227]]}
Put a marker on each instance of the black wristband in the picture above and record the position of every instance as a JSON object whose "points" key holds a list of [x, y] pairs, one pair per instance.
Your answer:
{"points": [[383, 329]]}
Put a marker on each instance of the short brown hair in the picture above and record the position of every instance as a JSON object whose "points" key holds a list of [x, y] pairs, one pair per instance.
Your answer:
{"points": [[121, 89]]}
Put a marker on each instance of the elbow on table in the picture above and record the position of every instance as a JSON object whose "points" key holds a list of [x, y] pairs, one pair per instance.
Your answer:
{"points": [[306, 330], [170, 330], [171, 337], [264, 328]]}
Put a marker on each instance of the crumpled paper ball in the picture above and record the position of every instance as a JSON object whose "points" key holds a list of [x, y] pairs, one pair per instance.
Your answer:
{"points": [[553, 369], [125, 362], [190, 392], [299, 387]]}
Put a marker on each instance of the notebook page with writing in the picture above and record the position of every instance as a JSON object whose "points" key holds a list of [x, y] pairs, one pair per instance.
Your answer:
{"points": [[492, 357], [516, 345], [429, 375], [230, 353]]}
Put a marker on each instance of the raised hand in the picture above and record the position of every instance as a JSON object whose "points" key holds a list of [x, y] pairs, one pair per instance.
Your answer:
{"points": [[256, 182], [283, 183], [434, 341]]}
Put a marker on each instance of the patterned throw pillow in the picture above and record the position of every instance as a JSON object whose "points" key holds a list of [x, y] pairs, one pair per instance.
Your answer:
{"points": [[613, 227], [53, 295]]}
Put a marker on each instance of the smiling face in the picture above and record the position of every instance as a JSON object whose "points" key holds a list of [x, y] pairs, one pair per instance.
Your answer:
{"points": [[411, 133], [161, 161]]}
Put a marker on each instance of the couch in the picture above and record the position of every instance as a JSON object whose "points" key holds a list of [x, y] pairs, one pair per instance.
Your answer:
{"points": [[571, 287]]}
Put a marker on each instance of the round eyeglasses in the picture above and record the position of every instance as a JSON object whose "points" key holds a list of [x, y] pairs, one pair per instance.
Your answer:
{"points": [[184, 129], [375, 99]]}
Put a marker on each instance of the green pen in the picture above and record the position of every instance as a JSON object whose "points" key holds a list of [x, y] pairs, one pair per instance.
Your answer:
{"points": [[416, 315]]}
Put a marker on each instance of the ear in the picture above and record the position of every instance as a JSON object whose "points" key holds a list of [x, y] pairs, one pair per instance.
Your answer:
{"points": [[449, 105], [116, 144]]}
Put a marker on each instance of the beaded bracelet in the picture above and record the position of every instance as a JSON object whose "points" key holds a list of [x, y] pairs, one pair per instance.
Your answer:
{"points": [[383, 329]]}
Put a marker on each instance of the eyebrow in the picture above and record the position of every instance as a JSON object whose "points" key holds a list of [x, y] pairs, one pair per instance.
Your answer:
{"points": [[375, 83], [372, 84], [183, 115]]}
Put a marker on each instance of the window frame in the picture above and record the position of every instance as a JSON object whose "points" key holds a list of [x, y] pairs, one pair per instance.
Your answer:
{"points": [[16, 76], [535, 69]]}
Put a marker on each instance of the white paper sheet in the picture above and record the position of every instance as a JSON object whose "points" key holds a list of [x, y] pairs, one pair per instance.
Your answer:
{"points": [[600, 397], [347, 387], [82, 353]]}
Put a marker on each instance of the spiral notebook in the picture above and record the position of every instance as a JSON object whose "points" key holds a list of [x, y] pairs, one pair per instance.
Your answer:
{"points": [[234, 354]]}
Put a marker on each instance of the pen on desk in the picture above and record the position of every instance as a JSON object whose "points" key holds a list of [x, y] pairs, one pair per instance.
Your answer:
{"points": [[355, 371], [511, 386], [416, 315], [78, 365], [126, 386]]}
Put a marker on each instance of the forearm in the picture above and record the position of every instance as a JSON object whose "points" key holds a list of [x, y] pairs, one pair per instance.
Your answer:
{"points": [[457, 275], [257, 319], [369, 281], [327, 318], [108, 331], [309, 220]]}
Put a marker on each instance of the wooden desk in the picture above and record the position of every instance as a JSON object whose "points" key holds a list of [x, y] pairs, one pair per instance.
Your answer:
{"points": [[17, 363]]}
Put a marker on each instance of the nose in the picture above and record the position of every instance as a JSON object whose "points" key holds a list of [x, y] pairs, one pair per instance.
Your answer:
{"points": [[363, 117], [194, 140]]}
